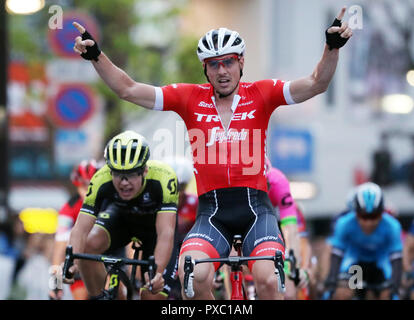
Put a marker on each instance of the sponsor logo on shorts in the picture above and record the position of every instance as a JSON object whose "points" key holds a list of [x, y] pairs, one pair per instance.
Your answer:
{"points": [[267, 238], [200, 235]]}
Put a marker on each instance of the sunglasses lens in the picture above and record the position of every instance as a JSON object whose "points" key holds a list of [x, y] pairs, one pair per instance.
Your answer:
{"points": [[213, 64], [226, 62], [130, 175], [369, 216]]}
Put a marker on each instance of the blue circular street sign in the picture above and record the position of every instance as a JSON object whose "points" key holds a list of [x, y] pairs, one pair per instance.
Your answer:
{"points": [[73, 105]]}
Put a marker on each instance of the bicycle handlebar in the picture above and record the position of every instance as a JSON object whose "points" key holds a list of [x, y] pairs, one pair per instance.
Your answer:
{"points": [[70, 256], [189, 265]]}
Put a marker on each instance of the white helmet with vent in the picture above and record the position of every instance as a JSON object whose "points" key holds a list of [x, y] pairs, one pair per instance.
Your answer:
{"points": [[218, 42]]}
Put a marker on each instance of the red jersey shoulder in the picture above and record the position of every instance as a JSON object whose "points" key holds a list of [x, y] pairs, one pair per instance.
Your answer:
{"points": [[183, 87], [72, 207], [178, 95], [273, 92]]}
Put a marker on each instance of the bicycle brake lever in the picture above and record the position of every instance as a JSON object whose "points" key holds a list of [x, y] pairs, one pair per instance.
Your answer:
{"points": [[152, 268], [280, 273], [294, 271], [188, 277], [68, 263]]}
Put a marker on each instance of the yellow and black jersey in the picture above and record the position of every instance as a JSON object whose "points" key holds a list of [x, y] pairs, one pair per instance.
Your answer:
{"points": [[158, 194]]}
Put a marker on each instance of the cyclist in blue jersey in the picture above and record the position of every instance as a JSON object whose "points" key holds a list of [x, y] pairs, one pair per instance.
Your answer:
{"points": [[370, 240]]}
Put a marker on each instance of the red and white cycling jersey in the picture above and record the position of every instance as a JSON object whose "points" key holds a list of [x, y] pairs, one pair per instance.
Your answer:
{"points": [[233, 156], [67, 217]]}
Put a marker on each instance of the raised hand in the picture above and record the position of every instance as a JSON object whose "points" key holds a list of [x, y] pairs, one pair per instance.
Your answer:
{"points": [[85, 44], [339, 32]]}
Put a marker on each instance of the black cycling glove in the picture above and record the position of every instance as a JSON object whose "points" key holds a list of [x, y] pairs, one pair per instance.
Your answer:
{"points": [[92, 52], [334, 40]]}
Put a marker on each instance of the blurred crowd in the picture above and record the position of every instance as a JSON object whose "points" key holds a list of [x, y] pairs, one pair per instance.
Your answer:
{"points": [[24, 261]]}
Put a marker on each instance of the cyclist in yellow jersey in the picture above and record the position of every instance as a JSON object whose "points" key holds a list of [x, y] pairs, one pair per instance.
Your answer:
{"points": [[129, 197]]}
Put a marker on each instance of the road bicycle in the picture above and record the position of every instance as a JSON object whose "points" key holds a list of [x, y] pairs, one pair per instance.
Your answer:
{"points": [[238, 291], [115, 271]]}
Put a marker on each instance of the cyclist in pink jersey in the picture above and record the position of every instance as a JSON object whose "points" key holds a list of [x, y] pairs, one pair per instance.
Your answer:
{"points": [[289, 217], [227, 122]]}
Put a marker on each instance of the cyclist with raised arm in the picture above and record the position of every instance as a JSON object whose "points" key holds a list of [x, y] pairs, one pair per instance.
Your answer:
{"points": [[130, 197], [281, 198], [371, 239], [227, 122], [80, 177]]}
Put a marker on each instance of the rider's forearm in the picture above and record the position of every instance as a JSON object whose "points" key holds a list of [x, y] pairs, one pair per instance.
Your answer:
{"points": [[335, 265], [123, 85], [306, 252], [77, 240], [408, 250], [116, 79], [318, 82], [163, 250], [325, 69], [58, 253], [290, 233], [397, 270]]}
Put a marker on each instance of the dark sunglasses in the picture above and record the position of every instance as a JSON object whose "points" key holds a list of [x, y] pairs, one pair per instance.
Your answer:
{"points": [[225, 62], [369, 216], [127, 175]]}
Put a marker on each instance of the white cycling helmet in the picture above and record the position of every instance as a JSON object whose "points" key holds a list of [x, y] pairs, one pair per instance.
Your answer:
{"points": [[369, 200], [218, 42], [182, 167]]}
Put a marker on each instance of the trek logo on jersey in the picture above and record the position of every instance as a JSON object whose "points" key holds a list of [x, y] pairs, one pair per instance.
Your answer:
{"points": [[218, 135], [214, 117]]}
